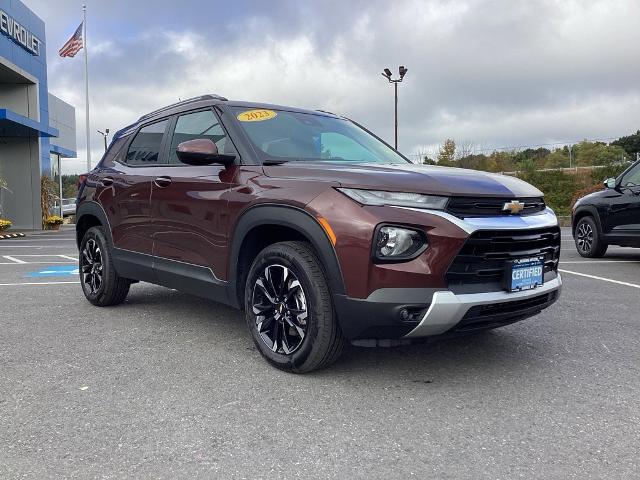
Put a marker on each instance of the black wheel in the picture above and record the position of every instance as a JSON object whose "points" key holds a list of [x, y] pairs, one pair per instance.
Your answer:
{"points": [[289, 310], [100, 282], [587, 238]]}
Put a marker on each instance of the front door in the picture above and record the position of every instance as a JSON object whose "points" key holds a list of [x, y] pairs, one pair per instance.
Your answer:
{"points": [[189, 208], [624, 208]]}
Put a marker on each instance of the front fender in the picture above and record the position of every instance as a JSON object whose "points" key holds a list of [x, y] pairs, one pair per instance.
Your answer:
{"points": [[296, 219]]}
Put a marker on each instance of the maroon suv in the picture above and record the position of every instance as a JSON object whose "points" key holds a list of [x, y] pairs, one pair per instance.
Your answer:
{"points": [[314, 226]]}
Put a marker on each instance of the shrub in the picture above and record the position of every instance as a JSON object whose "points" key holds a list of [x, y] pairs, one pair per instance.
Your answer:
{"points": [[557, 186], [585, 191], [4, 224], [598, 175], [52, 220]]}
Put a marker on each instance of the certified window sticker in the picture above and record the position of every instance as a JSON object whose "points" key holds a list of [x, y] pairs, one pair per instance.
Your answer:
{"points": [[256, 115]]}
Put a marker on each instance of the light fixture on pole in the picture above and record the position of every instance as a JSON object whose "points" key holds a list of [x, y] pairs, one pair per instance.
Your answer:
{"points": [[387, 74], [104, 134]]}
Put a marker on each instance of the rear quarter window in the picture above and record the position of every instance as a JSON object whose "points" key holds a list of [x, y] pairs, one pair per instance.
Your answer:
{"points": [[145, 148], [115, 152]]}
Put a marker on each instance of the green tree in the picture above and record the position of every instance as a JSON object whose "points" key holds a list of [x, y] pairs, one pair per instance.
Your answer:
{"points": [[447, 153], [69, 186], [503, 161], [537, 156], [597, 153], [630, 143], [559, 158]]}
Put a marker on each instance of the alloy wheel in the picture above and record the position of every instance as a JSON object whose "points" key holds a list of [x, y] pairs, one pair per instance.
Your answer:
{"points": [[91, 266], [280, 309], [585, 237]]}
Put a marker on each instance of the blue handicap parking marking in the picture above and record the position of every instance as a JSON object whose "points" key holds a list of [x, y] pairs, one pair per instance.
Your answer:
{"points": [[55, 271]]}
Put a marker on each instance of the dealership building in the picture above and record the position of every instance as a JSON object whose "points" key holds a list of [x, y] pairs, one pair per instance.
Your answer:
{"points": [[37, 129]]}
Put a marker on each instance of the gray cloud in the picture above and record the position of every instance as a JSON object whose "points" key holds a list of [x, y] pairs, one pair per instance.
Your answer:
{"points": [[495, 73]]}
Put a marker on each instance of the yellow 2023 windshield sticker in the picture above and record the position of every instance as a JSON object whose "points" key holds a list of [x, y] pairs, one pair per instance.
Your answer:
{"points": [[257, 115]]}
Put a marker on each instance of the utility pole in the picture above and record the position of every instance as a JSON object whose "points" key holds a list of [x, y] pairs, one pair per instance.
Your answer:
{"points": [[387, 74]]}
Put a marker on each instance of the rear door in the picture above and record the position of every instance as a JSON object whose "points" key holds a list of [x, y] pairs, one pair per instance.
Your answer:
{"points": [[189, 207], [126, 188]]}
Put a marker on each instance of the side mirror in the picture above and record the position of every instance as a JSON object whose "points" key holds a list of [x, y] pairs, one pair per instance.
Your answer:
{"points": [[202, 151], [610, 183]]}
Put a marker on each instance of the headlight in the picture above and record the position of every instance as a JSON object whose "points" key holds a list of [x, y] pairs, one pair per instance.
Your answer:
{"points": [[401, 199], [395, 244]]}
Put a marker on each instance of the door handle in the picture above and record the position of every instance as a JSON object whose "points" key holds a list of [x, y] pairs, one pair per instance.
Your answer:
{"points": [[162, 182], [106, 181]]}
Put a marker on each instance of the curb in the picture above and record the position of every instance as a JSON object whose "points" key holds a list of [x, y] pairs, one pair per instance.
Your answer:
{"points": [[11, 235]]}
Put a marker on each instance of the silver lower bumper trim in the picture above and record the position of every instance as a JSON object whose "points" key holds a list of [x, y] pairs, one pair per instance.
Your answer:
{"points": [[447, 308]]}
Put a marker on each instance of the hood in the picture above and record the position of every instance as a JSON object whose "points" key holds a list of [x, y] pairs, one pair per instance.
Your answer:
{"points": [[426, 179], [594, 196]]}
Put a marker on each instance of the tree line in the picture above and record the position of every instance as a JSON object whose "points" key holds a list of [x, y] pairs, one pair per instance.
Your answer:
{"points": [[582, 154], [541, 166]]}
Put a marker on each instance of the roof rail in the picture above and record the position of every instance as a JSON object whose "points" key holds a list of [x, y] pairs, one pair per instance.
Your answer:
{"points": [[209, 96]]}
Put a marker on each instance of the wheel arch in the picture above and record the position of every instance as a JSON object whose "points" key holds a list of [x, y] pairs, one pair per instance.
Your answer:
{"points": [[586, 211], [263, 225], [91, 214]]}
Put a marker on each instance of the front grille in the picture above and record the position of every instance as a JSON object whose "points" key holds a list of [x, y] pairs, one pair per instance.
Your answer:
{"points": [[483, 256], [498, 314], [490, 207]]}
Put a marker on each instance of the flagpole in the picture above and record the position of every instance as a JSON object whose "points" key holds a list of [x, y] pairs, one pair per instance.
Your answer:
{"points": [[86, 85]]}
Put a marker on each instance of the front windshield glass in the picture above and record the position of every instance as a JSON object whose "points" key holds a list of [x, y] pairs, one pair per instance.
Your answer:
{"points": [[292, 136]]}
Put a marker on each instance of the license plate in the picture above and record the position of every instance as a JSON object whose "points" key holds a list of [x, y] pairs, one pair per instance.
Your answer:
{"points": [[524, 274]]}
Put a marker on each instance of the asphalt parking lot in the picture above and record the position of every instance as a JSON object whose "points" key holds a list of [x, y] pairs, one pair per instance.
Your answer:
{"points": [[170, 386]]}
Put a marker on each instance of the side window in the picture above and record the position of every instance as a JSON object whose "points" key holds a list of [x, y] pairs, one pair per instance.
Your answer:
{"points": [[145, 148], [195, 125], [632, 178]]}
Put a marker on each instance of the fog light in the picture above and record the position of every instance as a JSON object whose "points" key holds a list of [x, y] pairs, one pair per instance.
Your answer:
{"points": [[398, 243]]}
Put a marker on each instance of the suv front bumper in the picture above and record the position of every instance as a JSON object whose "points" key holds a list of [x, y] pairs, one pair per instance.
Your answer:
{"points": [[447, 309], [441, 311]]}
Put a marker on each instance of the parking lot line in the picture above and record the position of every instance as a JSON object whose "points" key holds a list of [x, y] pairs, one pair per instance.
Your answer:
{"points": [[37, 263], [591, 262], [37, 283], [34, 246], [594, 277], [20, 259], [13, 259]]}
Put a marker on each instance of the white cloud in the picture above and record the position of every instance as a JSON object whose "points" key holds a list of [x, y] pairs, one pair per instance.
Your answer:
{"points": [[494, 73]]}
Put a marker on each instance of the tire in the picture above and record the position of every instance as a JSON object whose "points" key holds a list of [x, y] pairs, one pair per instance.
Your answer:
{"points": [[101, 284], [588, 239], [287, 299]]}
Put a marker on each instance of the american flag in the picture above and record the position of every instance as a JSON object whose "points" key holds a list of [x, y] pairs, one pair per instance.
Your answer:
{"points": [[73, 45]]}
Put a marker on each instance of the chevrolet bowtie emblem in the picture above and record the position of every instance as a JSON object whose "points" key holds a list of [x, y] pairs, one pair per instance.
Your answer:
{"points": [[514, 207]]}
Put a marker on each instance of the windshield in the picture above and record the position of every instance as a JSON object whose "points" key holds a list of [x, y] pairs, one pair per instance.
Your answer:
{"points": [[292, 136]]}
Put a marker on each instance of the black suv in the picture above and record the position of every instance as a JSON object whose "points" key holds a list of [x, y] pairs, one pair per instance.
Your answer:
{"points": [[610, 216]]}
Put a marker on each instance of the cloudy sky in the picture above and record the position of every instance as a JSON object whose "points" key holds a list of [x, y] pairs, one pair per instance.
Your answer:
{"points": [[491, 73]]}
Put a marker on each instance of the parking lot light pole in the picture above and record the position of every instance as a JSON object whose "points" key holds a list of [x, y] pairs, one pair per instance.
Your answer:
{"points": [[387, 74], [104, 134]]}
